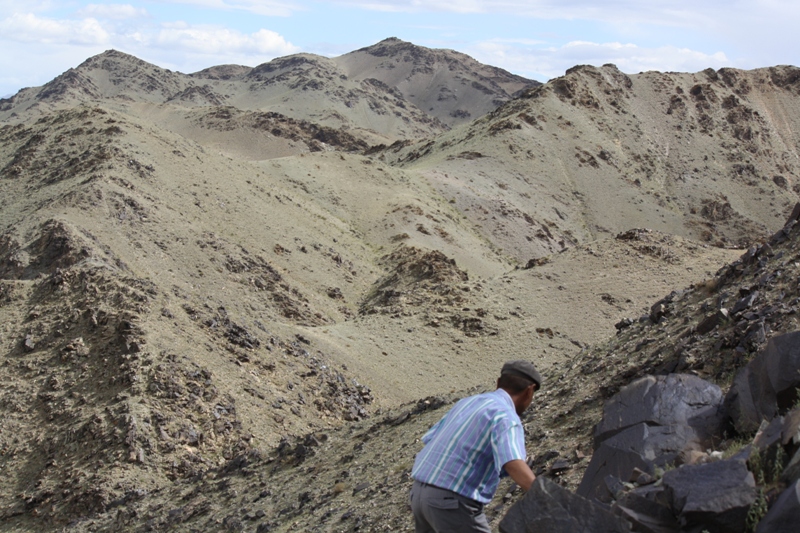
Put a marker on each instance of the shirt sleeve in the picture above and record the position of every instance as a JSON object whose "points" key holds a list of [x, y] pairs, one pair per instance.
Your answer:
{"points": [[426, 438], [508, 444]]}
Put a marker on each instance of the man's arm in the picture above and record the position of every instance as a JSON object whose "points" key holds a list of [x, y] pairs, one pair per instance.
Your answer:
{"points": [[520, 472]]}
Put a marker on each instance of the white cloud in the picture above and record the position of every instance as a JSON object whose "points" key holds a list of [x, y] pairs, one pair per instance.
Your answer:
{"points": [[27, 28], [68, 42], [113, 11], [706, 14], [257, 7], [565, 9], [220, 41], [548, 62]]}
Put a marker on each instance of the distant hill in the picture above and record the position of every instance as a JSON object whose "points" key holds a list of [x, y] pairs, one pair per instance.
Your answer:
{"points": [[355, 92], [712, 156], [449, 85]]}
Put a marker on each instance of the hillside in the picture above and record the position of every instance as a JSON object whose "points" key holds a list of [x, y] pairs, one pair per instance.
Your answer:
{"points": [[229, 276], [712, 156]]}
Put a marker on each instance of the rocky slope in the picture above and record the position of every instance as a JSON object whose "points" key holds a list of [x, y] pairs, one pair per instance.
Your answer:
{"points": [[712, 156], [360, 471]]}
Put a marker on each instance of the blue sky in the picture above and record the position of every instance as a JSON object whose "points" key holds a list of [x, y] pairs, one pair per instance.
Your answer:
{"points": [[540, 39]]}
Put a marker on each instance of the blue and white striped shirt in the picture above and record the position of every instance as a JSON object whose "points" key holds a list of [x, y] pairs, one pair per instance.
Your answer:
{"points": [[465, 451]]}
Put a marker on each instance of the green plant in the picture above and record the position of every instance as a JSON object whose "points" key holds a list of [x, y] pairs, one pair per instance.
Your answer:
{"points": [[780, 463], [767, 467], [757, 466], [757, 511], [735, 447]]}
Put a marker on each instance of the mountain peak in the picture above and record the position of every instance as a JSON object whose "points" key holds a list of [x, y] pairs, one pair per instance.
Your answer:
{"points": [[113, 55], [453, 87]]}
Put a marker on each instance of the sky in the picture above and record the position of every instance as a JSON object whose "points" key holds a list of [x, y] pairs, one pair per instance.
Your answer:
{"points": [[539, 39]]}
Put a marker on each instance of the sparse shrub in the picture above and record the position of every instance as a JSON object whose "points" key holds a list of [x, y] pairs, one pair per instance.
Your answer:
{"points": [[708, 286]]}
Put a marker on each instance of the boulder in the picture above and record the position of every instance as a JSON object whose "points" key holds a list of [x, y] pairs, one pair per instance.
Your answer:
{"points": [[672, 400], [641, 446], [714, 496], [551, 508], [645, 513], [767, 385], [651, 422], [784, 515]]}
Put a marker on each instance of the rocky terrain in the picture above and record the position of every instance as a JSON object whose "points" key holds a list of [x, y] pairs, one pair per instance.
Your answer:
{"points": [[235, 299]]}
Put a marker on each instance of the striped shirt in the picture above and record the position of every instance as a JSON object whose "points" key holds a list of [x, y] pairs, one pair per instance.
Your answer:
{"points": [[465, 451]]}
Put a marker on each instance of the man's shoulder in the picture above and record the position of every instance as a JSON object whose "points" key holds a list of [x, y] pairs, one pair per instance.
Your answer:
{"points": [[493, 403]]}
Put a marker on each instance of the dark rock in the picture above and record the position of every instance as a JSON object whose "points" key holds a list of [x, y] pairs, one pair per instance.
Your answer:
{"points": [[335, 293], [549, 507], [715, 496], [756, 334], [641, 478], [672, 400], [712, 321], [231, 523], [658, 310], [767, 385], [645, 514], [792, 471], [361, 486], [559, 467], [652, 422], [769, 434], [784, 515], [641, 447], [608, 460], [663, 307], [744, 303], [624, 323]]}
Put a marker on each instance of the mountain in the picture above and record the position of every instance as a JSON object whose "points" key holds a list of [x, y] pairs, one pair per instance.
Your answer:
{"points": [[449, 85], [217, 287], [352, 93], [710, 156]]}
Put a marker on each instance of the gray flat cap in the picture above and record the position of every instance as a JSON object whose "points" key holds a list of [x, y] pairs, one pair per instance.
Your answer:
{"points": [[523, 369]]}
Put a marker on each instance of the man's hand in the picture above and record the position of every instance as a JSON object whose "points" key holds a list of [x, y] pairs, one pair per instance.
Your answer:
{"points": [[521, 473]]}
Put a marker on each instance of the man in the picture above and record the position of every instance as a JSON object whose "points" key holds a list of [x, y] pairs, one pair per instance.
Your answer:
{"points": [[480, 440]]}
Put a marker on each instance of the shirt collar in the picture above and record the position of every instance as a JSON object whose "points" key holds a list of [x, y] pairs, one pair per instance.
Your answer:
{"points": [[507, 397]]}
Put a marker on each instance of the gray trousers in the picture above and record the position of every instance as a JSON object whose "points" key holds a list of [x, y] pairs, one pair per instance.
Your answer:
{"points": [[444, 511]]}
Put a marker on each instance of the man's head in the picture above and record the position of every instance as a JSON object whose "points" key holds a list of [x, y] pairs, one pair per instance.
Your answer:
{"points": [[520, 380]]}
